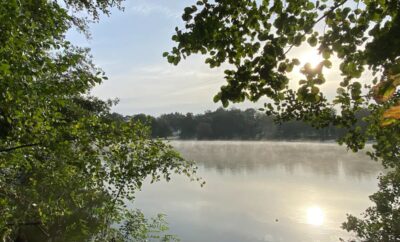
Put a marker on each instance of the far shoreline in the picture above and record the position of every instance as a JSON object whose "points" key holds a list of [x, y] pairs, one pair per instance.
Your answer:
{"points": [[326, 142]]}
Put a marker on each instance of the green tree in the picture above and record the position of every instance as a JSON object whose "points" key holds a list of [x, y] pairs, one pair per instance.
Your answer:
{"points": [[174, 121], [67, 164], [255, 39], [159, 127], [188, 126], [225, 124]]}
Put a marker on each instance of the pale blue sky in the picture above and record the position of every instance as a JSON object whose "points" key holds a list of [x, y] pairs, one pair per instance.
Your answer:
{"points": [[128, 46]]}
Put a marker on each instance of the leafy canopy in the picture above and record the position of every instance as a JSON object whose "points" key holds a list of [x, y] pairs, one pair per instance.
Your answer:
{"points": [[66, 163], [255, 39]]}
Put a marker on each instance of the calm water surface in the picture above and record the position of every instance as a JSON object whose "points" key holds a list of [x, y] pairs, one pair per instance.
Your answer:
{"points": [[263, 191]]}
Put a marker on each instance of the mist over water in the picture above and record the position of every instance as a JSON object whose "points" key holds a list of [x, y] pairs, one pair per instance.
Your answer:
{"points": [[264, 191]]}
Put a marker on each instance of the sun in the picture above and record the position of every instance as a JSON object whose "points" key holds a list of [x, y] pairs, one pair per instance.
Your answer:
{"points": [[315, 216], [311, 57]]}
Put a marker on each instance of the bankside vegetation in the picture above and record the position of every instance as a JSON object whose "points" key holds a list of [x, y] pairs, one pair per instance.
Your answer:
{"points": [[254, 41], [66, 166], [234, 124]]}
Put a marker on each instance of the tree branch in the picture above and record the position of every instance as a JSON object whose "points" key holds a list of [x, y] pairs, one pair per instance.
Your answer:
{"points": [[18, 147], [37, 224], [333, 8], [25, 224]]}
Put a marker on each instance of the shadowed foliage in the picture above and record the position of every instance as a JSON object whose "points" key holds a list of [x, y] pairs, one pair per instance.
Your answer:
{"points": [[66, 163]]}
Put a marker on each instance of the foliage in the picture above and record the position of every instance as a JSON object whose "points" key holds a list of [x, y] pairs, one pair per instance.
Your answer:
{"points": [[66, 163], [135, 227], [159, 127], [254, 40], [249, 124], [382, 221]]}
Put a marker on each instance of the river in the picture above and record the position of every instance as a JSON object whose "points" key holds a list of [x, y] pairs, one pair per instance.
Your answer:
{"points": [[263, 191]]}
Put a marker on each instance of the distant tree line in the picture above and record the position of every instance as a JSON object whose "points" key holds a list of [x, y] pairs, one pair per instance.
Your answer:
{"points": [[234, 124]]}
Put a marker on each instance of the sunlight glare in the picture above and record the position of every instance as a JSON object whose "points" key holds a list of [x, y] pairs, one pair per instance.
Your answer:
{"points": [[315, 216], [311, 57]]}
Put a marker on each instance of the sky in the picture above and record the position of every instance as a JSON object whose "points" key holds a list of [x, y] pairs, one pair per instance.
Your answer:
{"points": [[128, 46]]}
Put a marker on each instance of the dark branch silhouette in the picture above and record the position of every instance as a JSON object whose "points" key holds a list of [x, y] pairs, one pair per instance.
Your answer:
{"points": [[333, 8], [18, 147]]}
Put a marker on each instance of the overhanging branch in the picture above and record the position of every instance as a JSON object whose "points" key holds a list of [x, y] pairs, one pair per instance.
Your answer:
{"points": [[333, 8], [18, 147]]}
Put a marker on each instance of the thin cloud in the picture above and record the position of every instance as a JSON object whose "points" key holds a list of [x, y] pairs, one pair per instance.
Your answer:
{"points": [[164, 85], [146, 9]]}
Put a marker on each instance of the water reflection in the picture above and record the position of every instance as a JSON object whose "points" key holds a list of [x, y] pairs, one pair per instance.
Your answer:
{"points": [[264, 191], [328, 159]]}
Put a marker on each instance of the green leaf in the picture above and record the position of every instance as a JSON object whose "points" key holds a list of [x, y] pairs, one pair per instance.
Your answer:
{"points": [[312, 41], [327, 63]]}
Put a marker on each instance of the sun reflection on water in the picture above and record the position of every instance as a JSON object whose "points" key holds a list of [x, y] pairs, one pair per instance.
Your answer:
{"points": [[315, 216]]}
